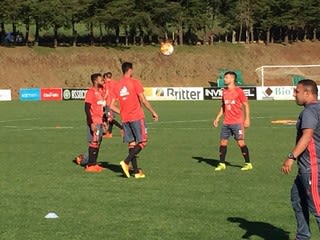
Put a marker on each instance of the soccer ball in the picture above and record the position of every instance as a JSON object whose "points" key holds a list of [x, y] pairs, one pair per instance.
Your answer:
{"points": [[166, 49]]}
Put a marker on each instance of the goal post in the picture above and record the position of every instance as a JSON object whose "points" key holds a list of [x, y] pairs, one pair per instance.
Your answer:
{"points": [[287, 74]]}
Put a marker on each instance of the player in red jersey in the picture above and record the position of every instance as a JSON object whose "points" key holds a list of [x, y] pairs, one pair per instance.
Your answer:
{"points": [[235, 108], [109, 115], [94, 103], [129, 93]]}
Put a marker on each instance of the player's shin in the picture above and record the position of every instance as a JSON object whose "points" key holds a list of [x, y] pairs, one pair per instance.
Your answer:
{"points": [[222, 153], [245, 153]]}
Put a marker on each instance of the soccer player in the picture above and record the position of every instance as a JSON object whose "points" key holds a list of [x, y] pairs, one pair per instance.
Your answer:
{"points": [[94, 104], [109, 115], [129, 93], [305, 195], [235, 108]]}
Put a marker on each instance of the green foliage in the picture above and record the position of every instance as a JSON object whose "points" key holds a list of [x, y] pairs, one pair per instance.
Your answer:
{"points": [[181, 198], [191, 20]]}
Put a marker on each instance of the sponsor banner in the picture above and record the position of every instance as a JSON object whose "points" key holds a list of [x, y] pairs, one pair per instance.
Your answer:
{"points": [[174, 93], [51, 94], [5, 95], [275, 93], [74, 94], [29, 94], [216, 93]]}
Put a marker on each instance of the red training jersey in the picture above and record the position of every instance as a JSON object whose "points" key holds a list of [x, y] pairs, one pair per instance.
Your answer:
{"points": [[95, 97], [232, 103], [108, 88], [127, 91]]}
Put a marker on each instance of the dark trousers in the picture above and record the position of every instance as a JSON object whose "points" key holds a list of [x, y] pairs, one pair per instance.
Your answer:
{"points": [[303, 204]]}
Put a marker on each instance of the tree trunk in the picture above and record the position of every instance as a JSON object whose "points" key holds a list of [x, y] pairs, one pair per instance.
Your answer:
{"points": [[74, 34], [247, 35], [305, 34], [314, 38], [101, 34], [233, 36], [14, 32], [36, 35], [240, 32], [126, 39], [2, 32], [141, 37], [55, 38], [91, 35], [180, 32], [27, 33], [285, 36], [251, 33], [117, 35], [268, 36]]}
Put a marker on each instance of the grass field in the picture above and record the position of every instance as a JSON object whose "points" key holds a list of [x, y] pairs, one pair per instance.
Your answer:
{"points": [[181, 198]]}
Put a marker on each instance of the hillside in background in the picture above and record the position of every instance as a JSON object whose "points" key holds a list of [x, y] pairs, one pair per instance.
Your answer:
{"points": [[188, 66]]}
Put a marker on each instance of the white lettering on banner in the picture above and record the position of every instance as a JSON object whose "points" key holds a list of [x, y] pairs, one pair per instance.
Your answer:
{"points": [[184, 94], [247, 93], [28, 95], [275, 93], [78, 94], [50, 94], [213, 92]]}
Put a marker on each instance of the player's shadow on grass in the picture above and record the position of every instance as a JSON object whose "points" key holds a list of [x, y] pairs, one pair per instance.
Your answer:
{"points": [[263, 230], [213, 162], [113, 167]]}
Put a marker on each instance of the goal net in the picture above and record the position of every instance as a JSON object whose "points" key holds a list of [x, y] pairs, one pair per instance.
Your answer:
{"points": [[287, 75]]}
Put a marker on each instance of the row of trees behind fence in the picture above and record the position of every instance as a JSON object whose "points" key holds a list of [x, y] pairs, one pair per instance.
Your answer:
{"points": [[143, 22]]}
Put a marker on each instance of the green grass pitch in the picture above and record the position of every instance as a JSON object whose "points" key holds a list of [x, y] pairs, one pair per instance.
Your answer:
{"points": [[181, 197]]}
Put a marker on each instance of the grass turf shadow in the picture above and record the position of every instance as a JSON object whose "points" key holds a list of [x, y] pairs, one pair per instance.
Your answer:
{"points": [[214, 162], [263, 230]]}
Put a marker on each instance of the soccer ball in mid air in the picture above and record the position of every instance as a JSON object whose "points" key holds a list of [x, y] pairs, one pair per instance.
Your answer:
{"points": [[166, 49]]}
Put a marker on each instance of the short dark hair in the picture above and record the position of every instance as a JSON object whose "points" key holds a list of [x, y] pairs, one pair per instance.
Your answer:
{"points": [[94, 76], [126, 66], [231, 73], [310, 85], [107, 75]]}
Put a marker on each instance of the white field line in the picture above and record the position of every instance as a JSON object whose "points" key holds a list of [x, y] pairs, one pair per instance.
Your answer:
{"points": [[19, 128], [19, 120], [30, 128], [199, 120]]}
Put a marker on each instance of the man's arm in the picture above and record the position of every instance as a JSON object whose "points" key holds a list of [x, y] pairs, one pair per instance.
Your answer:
{"points": [[113, 106], [215, 121], [148, 106], [246, 122], [301, 145], [87, 107]]}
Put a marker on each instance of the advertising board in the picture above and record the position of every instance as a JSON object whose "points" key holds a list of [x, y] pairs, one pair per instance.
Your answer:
{"points": [[216, 93], [29, 94], [174, 93], [51, 94], [74, 94], [5, 95]]}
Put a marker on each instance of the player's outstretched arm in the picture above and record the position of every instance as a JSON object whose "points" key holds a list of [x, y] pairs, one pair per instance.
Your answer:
{"points": [[113, 106]]}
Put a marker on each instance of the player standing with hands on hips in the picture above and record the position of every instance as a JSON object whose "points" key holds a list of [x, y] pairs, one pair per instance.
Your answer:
{"points": [[235, 120], [129, 92], [305, 196]]}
